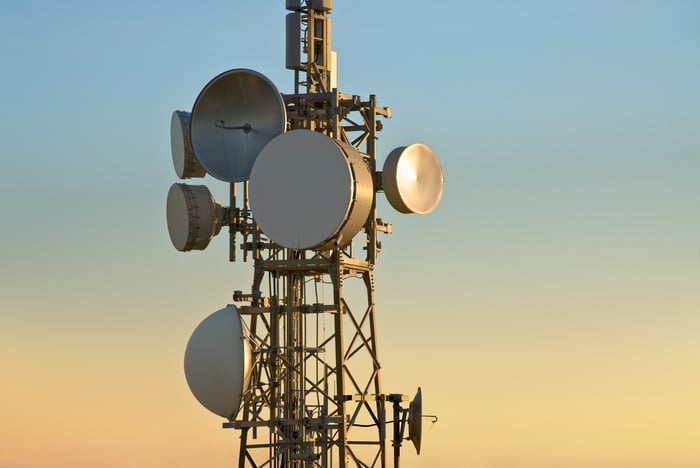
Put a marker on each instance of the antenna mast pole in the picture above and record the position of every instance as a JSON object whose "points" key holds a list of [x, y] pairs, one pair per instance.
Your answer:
{"points": [[319, 397]]}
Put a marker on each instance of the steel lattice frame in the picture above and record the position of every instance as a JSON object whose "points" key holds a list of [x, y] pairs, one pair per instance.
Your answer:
{"points": [[314, 401]]}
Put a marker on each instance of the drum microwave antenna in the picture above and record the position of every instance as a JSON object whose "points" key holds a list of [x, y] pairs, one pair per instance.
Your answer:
{"points": [[295, 370]]}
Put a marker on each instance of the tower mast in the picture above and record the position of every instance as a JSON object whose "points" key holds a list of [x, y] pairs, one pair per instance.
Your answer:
{"points": [[297, 374], [337, 416]]}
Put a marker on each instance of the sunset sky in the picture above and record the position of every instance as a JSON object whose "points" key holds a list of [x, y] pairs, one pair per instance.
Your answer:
{"points": [[549, 308]]}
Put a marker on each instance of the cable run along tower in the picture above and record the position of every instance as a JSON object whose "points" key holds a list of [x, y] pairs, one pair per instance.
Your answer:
{"points": [[297, 372]]}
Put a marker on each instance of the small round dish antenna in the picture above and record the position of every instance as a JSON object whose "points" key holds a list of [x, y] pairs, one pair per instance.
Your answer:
{"points": [[412, 179], [184, 160], [233, 118], [218, 361], [415, 420], [194, 216], [308, 191]]}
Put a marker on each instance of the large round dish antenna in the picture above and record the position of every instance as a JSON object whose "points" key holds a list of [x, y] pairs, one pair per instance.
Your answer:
{"points": [[194, 216], [412, 179], [308, 191], [218, 361], [415, 420], [233, 118], [184, 160]]}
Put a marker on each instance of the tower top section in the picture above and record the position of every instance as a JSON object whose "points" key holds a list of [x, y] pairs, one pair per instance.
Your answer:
{"points": [[309, 51]]}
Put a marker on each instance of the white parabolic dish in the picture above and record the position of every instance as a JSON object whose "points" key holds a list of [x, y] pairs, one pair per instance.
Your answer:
{"points": [[184, 160], [218, 362], [234, 99], [308, 191], [194, 216], [415, 420], [412, 179]]}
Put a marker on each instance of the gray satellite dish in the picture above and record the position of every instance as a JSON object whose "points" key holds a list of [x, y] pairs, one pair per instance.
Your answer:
{"points": [[218, 361], [412, 179], [184, 160], [308, 191], [233, 118], [194, 216], [415, 420]]}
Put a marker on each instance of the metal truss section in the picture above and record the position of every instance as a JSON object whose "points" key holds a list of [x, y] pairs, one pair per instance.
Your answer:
{"points": [[316, 397]]}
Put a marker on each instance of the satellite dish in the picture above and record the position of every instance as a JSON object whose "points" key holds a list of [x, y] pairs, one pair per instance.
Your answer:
{"points": [[308, 191], [412, 179], [234, 116], [194, 216], [218, 361], [184, 160], [415, 420]]}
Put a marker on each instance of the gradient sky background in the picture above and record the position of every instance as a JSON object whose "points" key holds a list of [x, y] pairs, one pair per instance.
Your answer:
{"points": [[549, 308]]}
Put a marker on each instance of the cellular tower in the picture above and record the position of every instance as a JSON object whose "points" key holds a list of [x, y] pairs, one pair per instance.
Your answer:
{"points": [[293, 363]]}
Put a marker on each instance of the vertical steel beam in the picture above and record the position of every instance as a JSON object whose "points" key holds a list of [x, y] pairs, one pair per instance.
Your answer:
{"points": [[337, 278]]}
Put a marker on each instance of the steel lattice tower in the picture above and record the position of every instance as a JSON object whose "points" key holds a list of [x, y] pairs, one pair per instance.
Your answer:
{"points": [[313, 417], [313, 394]]}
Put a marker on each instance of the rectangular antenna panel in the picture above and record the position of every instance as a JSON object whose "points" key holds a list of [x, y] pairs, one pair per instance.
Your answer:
{"points": [[323, 5], [294, 5], [293, 57], [333, 70]]}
